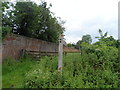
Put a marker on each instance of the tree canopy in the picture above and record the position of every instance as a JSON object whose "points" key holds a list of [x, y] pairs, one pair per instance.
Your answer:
{"points": [[85, 38], [31, 20], [102, 40]]}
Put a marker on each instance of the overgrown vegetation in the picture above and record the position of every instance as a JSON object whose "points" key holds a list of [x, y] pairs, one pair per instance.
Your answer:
{"points": [[97, 66], [13, 72], [79, 71]]}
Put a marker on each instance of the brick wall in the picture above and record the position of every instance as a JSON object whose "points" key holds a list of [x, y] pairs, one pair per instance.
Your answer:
{"points": [[13, 45]]}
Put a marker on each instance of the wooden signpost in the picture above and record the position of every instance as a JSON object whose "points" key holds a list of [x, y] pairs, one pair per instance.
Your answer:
{"points": [[60, 53]]}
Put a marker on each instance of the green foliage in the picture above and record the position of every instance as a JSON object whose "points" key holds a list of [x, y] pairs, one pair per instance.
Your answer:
{"points": [[97, 67], [0, 75], [108, 41], [101, 35], [86, 71], [6, 18], [32, 20], [6, 30], [71, 45], [87, 38], [78, 44], [0, 37], [13, 72]]}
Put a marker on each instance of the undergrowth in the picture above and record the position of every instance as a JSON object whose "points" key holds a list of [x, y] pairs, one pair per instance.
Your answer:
{"points": [[79, 71]]}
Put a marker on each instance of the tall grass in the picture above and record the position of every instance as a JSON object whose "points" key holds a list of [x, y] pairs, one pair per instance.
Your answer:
{"points": [[86, 71], [13, 72], [0, 76]]}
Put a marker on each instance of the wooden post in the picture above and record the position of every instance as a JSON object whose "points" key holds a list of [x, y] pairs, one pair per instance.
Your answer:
{"points": [[60, 53]]}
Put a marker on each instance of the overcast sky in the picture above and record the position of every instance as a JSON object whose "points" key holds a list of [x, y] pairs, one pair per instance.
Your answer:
{"points": [[86, 17]]}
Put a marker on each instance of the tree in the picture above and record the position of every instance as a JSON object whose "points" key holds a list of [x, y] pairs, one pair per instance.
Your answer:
{"points": [[32, 20], [78, 44], [6, 18], [87, 38], [71, 45], [108, 41]]}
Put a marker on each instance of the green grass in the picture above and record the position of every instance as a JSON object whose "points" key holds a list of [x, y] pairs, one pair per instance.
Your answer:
{"points": [[14, 72], [0, 76], [84, 71]]}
